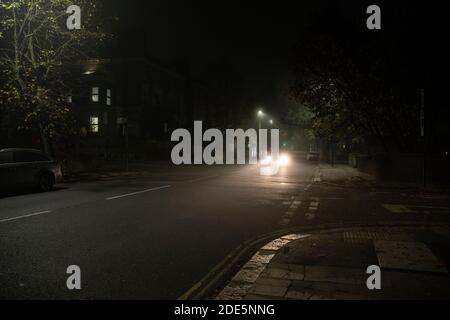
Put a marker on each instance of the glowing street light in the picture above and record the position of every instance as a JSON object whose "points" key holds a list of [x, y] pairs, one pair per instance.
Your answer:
{"points": [[260, 116]]}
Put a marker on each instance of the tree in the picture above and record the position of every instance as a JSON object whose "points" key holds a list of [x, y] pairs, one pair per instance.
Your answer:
{"points": [[36, 56], [358, 84], [300, 117]]}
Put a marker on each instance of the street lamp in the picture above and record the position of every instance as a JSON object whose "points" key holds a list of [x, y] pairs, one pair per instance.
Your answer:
{"points": [[260, 116], [271, 122]]}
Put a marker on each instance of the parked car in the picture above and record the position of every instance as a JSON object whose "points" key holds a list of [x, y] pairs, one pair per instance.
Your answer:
{"points": [[312, 156], [22, 168]]}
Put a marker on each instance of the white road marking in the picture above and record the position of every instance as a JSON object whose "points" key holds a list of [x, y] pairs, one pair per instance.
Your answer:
{"points": [[313, 207], [397, 208], [138, 192], [25, 216], [317, 177], [294, 205]]}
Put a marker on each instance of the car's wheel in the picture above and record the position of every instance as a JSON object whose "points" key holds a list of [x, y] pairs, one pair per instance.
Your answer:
{"points": [[46, 181]]}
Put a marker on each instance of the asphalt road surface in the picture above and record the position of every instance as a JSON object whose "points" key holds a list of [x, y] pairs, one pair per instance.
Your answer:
{"points": [[154, 235]]}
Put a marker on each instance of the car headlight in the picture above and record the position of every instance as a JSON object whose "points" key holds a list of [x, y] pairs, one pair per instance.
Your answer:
{"points": [[284, 160]]}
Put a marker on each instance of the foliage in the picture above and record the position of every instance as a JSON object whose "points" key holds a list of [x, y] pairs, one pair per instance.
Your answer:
{"points": [[353, 85], [36, 56]]}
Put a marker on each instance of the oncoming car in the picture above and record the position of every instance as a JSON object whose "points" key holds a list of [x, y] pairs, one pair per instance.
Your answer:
{"points": [[283, 161], [27, 168]]}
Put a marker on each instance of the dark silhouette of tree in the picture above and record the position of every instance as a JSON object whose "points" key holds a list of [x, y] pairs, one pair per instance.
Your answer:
{"points": [[359, 83]]}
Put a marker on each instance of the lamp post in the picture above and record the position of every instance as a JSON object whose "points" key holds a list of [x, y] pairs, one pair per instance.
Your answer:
{"points": [[260, 116], [123, 121]]}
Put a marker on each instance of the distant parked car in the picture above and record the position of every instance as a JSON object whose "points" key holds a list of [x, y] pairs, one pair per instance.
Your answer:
{"points": [[23, 168], [312, 156]]}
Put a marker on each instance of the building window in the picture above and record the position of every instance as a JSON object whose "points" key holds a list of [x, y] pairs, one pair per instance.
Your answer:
{"points": [[69, 98], [94, 125], [95, 94]]}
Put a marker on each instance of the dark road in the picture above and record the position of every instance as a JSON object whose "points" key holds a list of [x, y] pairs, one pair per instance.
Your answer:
{"points": [[147, 237], [154, 235]]}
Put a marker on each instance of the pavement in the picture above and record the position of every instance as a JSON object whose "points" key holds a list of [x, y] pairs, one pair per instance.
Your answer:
{"points": [[333, 265], [154, 233]]}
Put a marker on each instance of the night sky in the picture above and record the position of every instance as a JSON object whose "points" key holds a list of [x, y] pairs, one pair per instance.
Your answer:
{"points": [[255, 36]]}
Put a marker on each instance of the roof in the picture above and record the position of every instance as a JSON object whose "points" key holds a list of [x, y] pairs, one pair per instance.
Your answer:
{"points": [[91, 66]]}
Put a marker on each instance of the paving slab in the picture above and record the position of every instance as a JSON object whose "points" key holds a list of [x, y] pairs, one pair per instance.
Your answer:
{"points": [[335, 274], [271, 287], [407, 256]]}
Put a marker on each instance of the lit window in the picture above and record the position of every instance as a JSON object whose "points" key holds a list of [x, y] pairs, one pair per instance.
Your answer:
{"points": [[94, 124], [108, 97], [69, 98], [95, 94]]}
